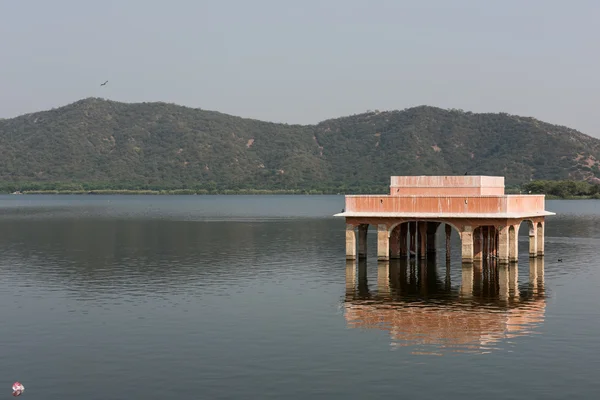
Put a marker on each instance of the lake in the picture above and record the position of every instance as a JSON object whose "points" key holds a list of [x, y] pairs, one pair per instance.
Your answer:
{"points": [[250, 297]]}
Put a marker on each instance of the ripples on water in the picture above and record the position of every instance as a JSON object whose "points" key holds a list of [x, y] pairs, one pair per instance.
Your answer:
{"points": [[251, 297]]}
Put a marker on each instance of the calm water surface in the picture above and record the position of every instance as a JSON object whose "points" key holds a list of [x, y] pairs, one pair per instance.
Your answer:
{"points": [[250, 297]]}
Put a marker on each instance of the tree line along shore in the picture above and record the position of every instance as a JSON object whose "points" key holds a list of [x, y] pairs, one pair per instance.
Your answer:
{"points": [[553, 189]]}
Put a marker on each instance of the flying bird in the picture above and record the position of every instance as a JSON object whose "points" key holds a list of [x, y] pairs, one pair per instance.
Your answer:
{"points": [[102, 84]]}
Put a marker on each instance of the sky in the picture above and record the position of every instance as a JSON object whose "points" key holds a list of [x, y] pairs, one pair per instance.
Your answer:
{"points": [[309, 60]]}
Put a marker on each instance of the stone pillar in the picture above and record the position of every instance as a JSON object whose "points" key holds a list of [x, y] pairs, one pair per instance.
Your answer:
{"points": [[466, 237], [541, 226], [492, 239], [412, 233], [383, 243], [431, 242], [350, 242], [395, 243], [485, 248], [493, 242], [362, 240], [419, 241], [422, 239], [513, 236], [448, 230], [477, 244], [496, 242], [403, 238], [503, 242], [532, 239]]}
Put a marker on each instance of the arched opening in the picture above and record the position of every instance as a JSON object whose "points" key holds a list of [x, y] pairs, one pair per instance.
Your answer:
{"points": [[417, 238], [356, 241], [540, 239], [478, 243], [532, 238], [363, 229], [485, 243], [399, 246], [531, 226]]}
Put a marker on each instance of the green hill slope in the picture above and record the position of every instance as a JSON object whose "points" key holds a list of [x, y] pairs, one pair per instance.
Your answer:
{"points": [[107, 144]]}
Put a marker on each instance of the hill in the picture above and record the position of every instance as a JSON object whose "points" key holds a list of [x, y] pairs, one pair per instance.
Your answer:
{"points": [[107, 144]]}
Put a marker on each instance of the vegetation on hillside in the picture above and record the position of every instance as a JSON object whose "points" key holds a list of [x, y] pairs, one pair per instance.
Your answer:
{"points": [[96, 144], [563, 189]]}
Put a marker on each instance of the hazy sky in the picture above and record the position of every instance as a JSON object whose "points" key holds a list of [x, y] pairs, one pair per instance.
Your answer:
{"points": [[307, 60]]}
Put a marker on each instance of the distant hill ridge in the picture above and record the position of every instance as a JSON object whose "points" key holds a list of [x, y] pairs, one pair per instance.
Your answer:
{"points": [[111, 144]]}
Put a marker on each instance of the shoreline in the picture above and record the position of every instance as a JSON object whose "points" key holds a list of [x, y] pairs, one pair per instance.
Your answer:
{"points": [[172, 192], [190, 192]]}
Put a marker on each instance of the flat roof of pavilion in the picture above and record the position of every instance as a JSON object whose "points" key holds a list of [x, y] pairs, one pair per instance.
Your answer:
{"points": [[424, 215], [431, 197]]}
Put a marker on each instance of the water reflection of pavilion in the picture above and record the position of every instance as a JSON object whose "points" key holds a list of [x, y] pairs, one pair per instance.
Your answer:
{"points": [[422, 309]]}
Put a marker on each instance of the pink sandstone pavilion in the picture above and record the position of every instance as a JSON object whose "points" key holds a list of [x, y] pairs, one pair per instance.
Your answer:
{"points": [[486, 220]]}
